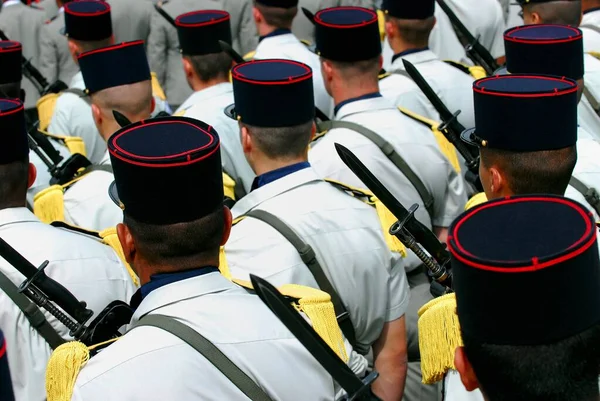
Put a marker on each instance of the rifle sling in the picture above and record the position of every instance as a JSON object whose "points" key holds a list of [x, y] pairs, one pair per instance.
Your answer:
{"points": [[390, 153], [207, 349], [32, 312], [590, 194], [308, 256]]}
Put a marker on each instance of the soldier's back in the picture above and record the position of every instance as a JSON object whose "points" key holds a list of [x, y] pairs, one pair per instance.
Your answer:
{"points": [[55, 59], [131, 19]]}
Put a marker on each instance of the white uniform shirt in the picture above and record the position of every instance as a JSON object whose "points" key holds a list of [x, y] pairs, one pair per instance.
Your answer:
{"points": [[238, 323], [209, 105], [90, 270], [412, 141], [73, 117], [287, 46], [591, 37], [588, 118], [587, 169], [452, 85], [87, 203], [346, 236]]}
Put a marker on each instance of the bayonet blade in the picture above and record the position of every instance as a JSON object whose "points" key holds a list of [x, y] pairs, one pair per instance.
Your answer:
{"points": [[422, 234], [295, 323]]}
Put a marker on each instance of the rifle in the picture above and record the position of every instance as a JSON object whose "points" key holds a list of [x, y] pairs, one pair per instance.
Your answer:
{"points": [[50, 295], [410, 231], [36, 78], [451, 128], [475, 50], [356, 389]]}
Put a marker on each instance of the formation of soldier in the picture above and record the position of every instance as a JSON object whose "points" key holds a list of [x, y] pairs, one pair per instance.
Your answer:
{"points": [[184, 185]]}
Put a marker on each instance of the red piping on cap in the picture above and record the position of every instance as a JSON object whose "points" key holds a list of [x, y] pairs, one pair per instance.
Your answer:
{"points": [[15, 46], [3, 349], [240, 77], [577, 35], [92, 14], [110, 48], [225, 14], [535, 264], [212, 140], [549, 93], [154, 165], [12, 111], [327, 24]]}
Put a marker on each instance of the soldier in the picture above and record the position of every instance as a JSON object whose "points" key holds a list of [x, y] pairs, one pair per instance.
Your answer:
{"points": [[87, 27], [163, 46], [344, 233], [23, 24], [56, 62], [207, 68], [350, 61], [569, 13], [126, 89], [90, 270], [168, 182], [131, 19], [532, 262], [408, 26], [590, 24], [273, 20]]}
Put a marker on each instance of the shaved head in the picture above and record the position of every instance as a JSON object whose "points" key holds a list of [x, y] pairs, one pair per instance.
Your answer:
{"points": [[134, 100], [554, 12], [414, 32]]}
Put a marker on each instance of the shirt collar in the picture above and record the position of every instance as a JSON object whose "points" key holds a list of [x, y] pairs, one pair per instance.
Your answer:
{"points": [[274, 175], [407, 52], [160, 280], [17, 215], [355, 99], [276, 32], [206, 94], [591, 10]]}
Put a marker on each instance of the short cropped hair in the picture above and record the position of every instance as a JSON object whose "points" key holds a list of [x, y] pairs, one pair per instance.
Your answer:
{"points": [[282, 143], [566, 370], [13, 183], [211, 66], [414, 32], [558, 12], [88, 46], [133, 100], [277, 16], [183, 244], [547, 172], [357, 70]]}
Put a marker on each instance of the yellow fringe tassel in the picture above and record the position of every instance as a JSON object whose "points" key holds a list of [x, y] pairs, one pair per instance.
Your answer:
{"points": [[45, 107], [157, 90], [223, 266], [228, 186], [75, 145], [110, 238], [63, 368], [439, 336], [387, 219], [317, 306], [48, 204], [477, 199]]}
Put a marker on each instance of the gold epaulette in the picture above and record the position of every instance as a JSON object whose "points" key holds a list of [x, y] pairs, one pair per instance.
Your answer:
{"points": [[228, 186], [445, 146], [157, 89], [384, 74], [73, 143], [475, 200], [594, 54], [250, 55], [439, 336], [386, 218], [49, 203], [381, 22], [476, 71], [107, 237], [317, 306]]}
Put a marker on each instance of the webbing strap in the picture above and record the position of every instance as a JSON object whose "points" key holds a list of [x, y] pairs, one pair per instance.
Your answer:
{"points": [[207, 349], [592, 27], [308, 256], [80, 93], [592, 99], [389, 152], [590, 194], [32, 312]]}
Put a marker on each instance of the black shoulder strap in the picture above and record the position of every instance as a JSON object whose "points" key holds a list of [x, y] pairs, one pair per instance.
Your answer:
{"points": [[98, 167], [590, 194], [458, 66], [32, 312], [79, 93], [308, 256], [390, 153], [207, 349], [592, 27]]}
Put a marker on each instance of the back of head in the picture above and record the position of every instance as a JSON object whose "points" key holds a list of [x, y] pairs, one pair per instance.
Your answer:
{"points": [[411, 22], [527, 280], [278, 14], [564, 12], [132, 100], [14, 155]]}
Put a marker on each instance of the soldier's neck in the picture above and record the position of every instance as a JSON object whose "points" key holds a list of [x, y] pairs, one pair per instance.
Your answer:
{"points": [[264, 165], [398, 45], [264, 29], [360, 87], [199, 85]]}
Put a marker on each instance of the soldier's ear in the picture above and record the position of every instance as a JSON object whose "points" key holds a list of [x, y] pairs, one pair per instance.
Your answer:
{"points": [[247, 144], [188, 69], [227, 221], [31, 175], [127, 243], [465, 369], [97, 114], [256, 14]]}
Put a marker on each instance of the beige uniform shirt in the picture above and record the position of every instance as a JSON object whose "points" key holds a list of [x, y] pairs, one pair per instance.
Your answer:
{"points": [[163, 44], [56, 61]]}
